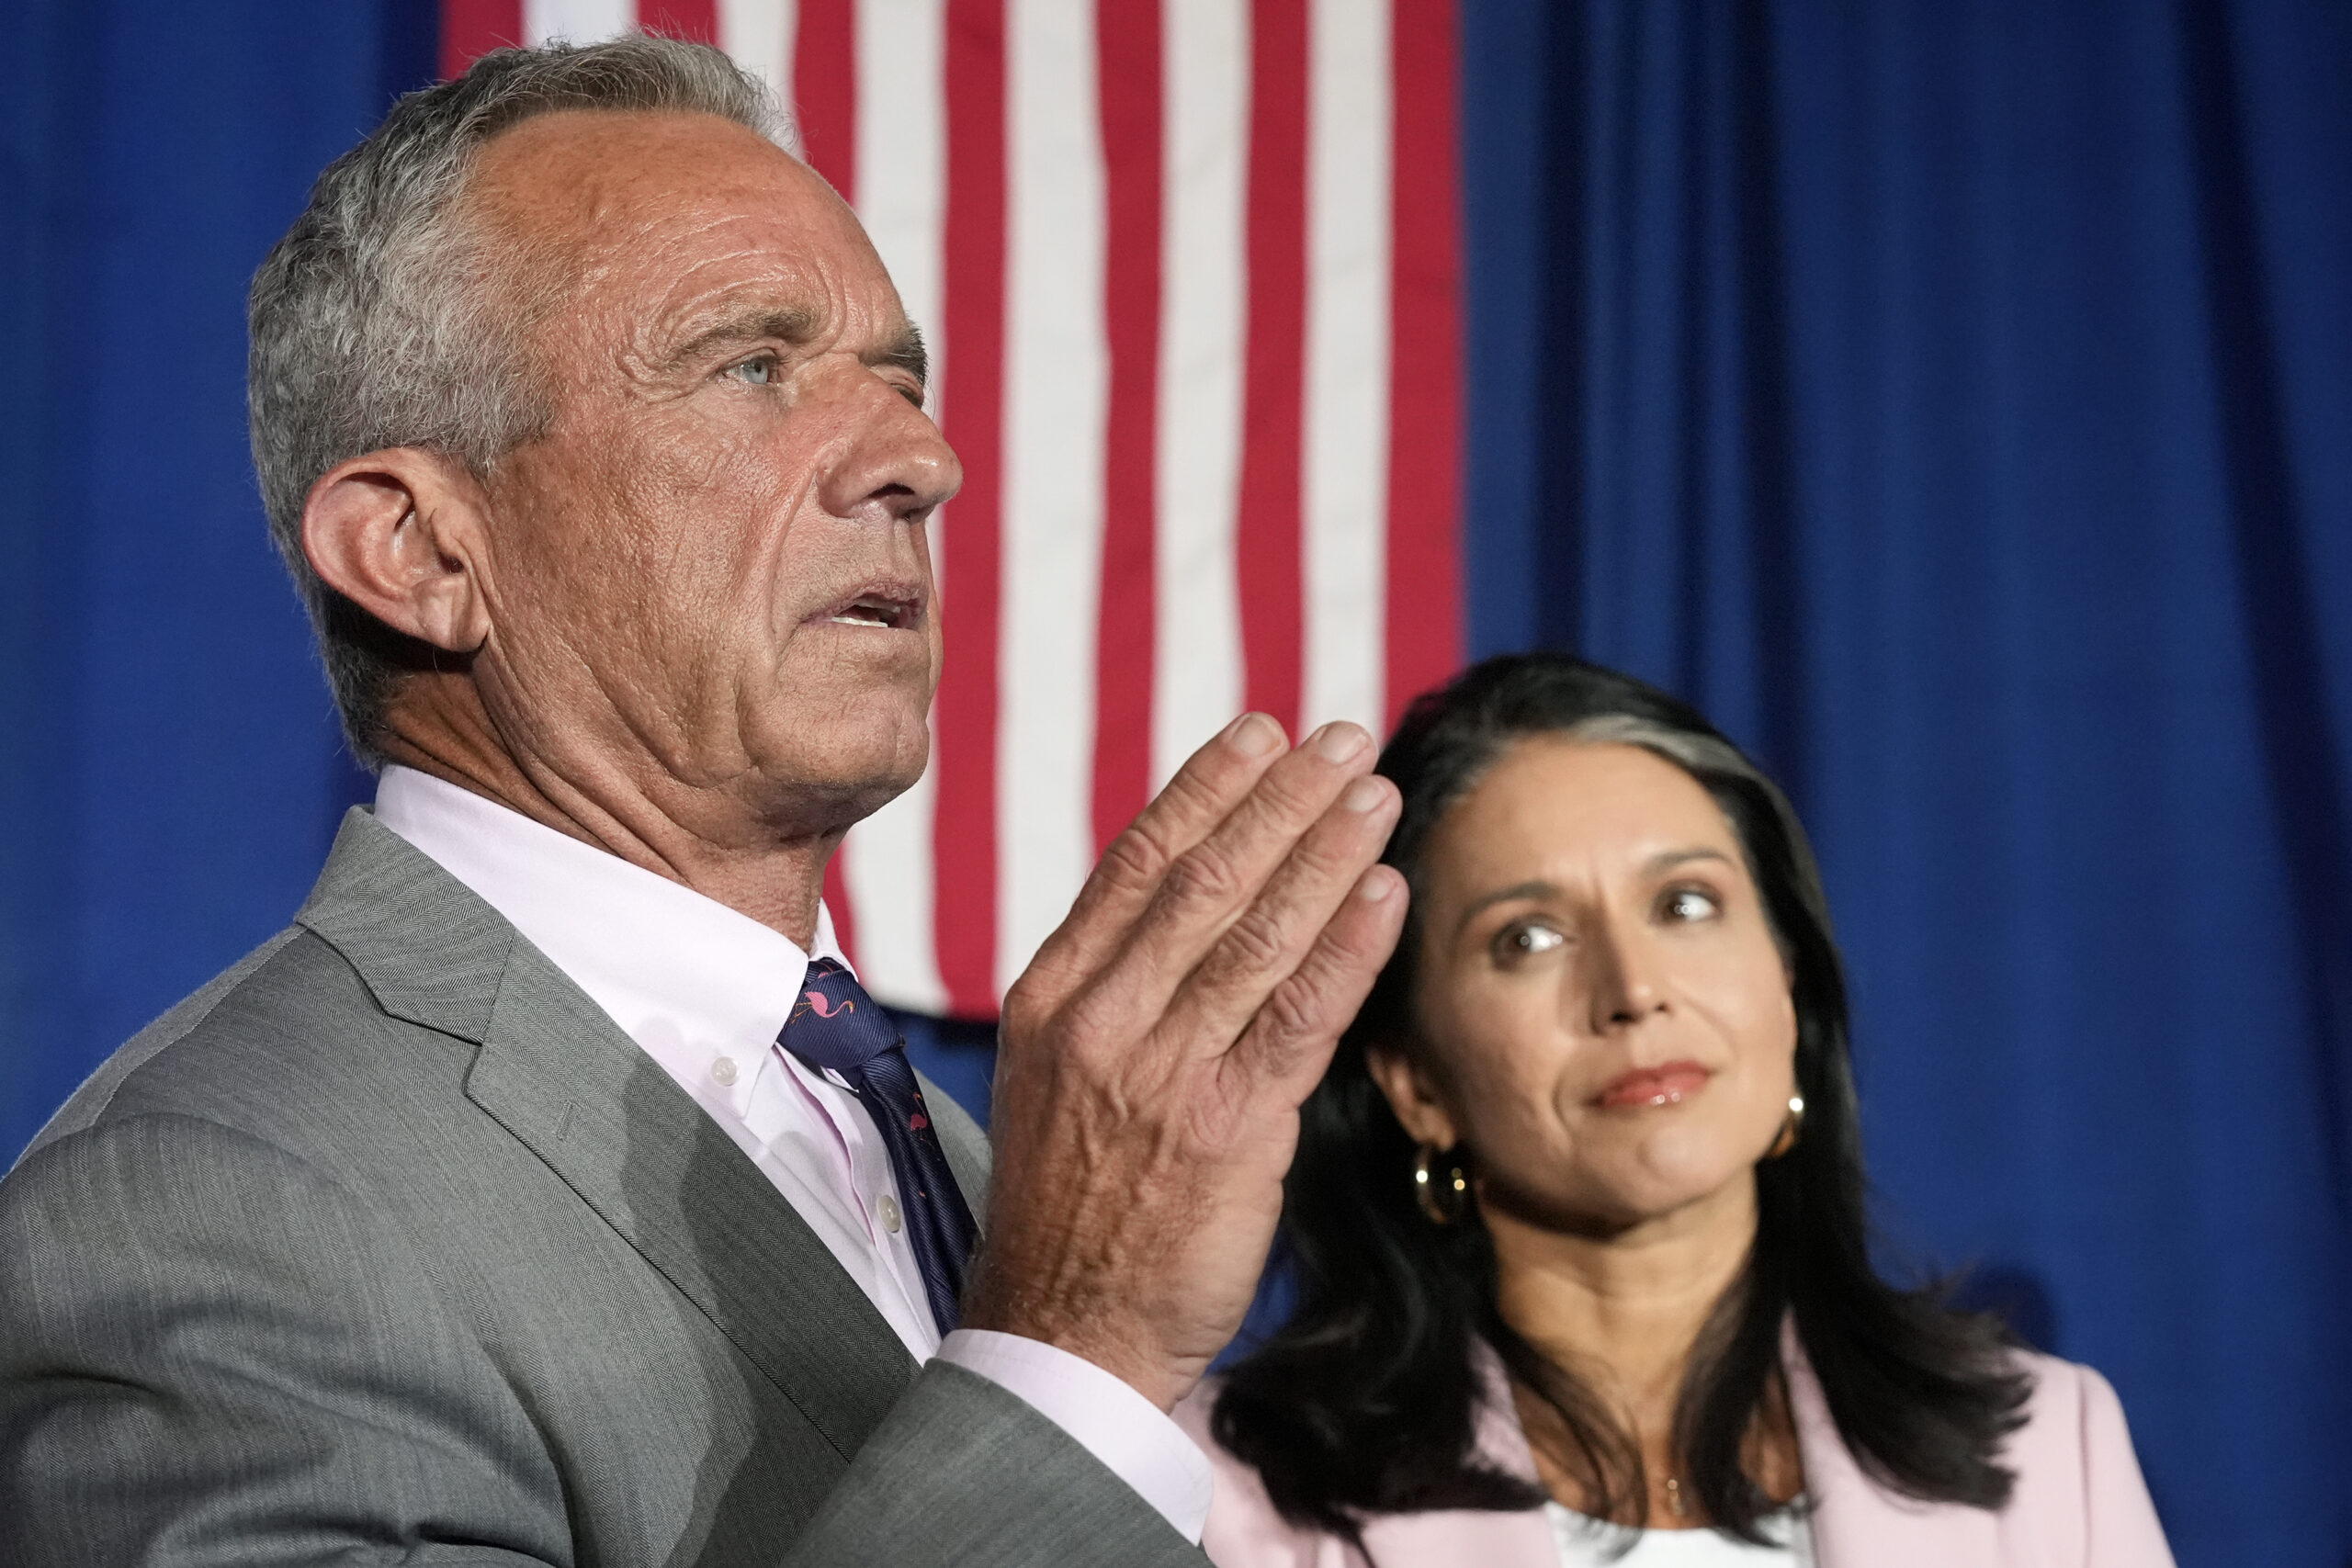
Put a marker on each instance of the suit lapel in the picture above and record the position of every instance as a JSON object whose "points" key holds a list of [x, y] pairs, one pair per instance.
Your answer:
{"points": [[1856, 1521], [1489, 1538], [560, 1076]]}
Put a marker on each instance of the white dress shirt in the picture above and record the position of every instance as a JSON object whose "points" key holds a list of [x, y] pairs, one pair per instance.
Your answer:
{"points": [[704, 991]]}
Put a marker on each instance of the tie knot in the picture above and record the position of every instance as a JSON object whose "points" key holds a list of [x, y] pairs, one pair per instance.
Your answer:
{"points": [[834, 1023]]}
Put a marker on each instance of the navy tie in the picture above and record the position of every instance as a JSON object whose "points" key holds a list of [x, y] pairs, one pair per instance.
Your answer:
{"points": [[834, 1024]]}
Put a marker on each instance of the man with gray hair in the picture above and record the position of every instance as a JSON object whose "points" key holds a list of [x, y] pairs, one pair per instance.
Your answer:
{"points": [[548, 1192]]}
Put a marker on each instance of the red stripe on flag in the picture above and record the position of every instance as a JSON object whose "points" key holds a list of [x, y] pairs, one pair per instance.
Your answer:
{"points": [[972, 398], [837, 900], [1266, 525], [1127, 36], [1425, 384], [695, 19], [825, 90], [472, 28]]}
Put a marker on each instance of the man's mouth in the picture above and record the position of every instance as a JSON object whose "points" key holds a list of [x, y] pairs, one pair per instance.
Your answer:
{"points": [[877, 609]]}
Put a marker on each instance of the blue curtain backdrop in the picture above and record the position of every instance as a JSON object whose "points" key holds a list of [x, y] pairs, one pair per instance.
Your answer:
{"points": [[1955, 398]]}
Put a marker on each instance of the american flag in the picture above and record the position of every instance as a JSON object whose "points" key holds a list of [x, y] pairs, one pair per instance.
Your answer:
{"points": [[1190, 272]]}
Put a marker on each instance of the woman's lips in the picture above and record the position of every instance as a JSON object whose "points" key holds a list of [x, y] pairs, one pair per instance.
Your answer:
{"points": [[1667, 1084]]}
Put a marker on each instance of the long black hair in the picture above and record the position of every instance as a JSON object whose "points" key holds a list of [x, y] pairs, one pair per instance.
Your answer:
{"points": [[1366, 1401]]}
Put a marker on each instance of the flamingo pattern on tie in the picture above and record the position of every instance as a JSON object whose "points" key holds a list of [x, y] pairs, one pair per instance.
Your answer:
{"points": [[836, 1026]]}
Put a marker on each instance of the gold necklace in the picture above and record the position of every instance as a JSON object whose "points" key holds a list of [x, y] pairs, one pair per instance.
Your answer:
{"points": [[1674, 1503]]}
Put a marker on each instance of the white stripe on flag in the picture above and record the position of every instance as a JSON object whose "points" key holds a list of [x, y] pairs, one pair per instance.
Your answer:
{"points": [[902, 194], [902, 149], [1346, 449], [759, 35], [1056, 376], [579, 21], [1196, 662]]}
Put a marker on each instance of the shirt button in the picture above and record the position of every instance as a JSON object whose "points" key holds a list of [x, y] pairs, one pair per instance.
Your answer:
{"points": [[723, 1070], [889, 1209]]}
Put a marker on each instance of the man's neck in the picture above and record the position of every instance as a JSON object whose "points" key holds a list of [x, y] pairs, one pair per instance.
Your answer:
{"points": [[775, 878]]}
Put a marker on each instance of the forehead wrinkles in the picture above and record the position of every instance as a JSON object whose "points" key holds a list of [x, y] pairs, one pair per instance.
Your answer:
{"points": [[659, 293], [628, 224], [728, 274]]}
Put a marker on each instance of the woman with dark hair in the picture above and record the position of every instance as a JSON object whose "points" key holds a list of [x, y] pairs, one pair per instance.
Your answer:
{"points": [[1578, 1214]]}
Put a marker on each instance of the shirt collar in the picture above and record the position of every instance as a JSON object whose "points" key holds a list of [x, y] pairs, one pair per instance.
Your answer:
{"points": [[687, 977]]}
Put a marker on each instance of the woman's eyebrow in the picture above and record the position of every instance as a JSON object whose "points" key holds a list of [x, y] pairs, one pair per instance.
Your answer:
{"points": [[1666, 860], [1516, 891], [1658, 863]]}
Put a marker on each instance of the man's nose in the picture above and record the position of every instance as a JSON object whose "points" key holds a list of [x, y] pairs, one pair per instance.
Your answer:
{"points": [[894, 463]]}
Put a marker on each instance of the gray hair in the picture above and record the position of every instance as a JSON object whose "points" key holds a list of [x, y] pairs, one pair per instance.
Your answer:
{"points": [[377, 322], [1698, 752]]}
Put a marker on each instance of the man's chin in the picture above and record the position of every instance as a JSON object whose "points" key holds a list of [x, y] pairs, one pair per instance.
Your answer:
{"points": [[861, 660], [830, 788]]}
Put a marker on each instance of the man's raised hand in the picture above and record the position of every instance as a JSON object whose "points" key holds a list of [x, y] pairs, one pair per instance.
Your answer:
{"points": [[1153, 1056]]}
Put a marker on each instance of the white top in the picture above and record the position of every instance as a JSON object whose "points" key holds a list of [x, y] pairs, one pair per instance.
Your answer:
{"points": [[705, 991], [1586, 1542]]}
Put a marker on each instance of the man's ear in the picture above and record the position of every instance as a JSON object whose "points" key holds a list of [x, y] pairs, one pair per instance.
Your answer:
{"points": [[400, 533], [1410, 1094]]}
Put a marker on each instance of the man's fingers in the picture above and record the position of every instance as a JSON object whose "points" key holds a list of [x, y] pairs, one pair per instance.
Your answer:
{"points": [[1290, 1040], [1170, 884], [1216, 885], [1259, 948], [1212, 782]]}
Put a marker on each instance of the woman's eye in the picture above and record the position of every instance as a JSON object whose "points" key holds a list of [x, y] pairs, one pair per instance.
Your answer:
{"points": [[1688, 903], [756, 372], [1526, 941]]}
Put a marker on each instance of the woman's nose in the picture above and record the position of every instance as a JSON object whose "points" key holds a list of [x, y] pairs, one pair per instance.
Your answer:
{"points": [[1625, 987]]}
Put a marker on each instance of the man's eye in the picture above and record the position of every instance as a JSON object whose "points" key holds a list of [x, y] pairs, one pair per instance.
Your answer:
{"points": [[1688, 903], [757, 371], [1525, 942]]}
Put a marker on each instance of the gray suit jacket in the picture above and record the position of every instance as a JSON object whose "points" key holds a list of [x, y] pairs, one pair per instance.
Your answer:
{"points": [[389, 1246]]}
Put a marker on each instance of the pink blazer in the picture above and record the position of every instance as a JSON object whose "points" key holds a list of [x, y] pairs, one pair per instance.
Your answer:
{"points": [[2079, 1501]]}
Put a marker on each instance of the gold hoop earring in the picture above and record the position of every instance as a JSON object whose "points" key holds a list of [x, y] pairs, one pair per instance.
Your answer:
{"points": [[1789, 1129], [1442, 1199]]}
